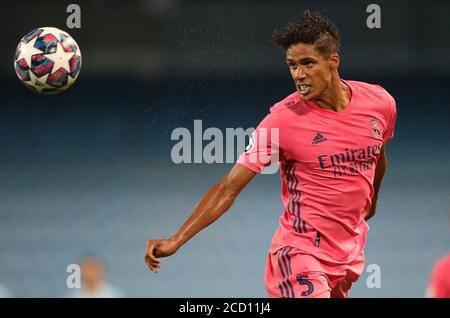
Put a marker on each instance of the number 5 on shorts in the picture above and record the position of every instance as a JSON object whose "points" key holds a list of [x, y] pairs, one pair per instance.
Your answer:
{"points": [[302, 280]]}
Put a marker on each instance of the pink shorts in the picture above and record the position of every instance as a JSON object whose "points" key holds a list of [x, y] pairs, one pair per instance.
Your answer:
{"points": [[291, 273]]}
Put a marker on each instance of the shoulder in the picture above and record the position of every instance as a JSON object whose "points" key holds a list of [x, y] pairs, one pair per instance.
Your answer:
{"points": [[112, 291], [289, 102], [277, 113], [375, 95], [441, 269], [371, 90]]}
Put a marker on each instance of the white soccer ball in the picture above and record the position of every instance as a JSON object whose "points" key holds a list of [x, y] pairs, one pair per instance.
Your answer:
{"points": [[47, 60]]}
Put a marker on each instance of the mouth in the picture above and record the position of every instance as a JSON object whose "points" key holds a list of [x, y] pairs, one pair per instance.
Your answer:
{"points": [[304, 88]]}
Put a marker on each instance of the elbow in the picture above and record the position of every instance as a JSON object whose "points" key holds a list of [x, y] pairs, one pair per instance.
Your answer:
{"points": [[369, 215]]}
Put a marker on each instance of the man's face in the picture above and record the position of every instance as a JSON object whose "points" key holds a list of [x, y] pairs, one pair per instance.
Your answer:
{"points": [[310, 70], [91, 273]]}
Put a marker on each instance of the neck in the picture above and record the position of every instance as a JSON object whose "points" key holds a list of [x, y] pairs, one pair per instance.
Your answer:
{"points": [[336, 97]]}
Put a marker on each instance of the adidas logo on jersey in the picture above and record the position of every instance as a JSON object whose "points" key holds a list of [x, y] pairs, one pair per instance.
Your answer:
{"points": [[318, 139]]}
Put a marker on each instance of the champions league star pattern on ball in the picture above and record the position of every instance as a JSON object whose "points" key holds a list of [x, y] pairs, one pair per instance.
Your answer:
{"points": [[47, 60]]}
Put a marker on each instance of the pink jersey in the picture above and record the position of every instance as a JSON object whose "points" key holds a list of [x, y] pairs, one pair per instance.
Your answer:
{"points": [[327, 165], [440, 278]]}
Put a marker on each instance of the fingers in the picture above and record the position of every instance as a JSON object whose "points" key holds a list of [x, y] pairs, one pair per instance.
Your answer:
{"points": [[153, 263]]}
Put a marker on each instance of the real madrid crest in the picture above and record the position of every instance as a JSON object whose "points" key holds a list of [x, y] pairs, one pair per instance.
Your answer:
{"points": [[375, 128]]}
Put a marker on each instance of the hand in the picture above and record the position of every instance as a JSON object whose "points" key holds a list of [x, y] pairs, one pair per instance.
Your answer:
{"points": [[156, 249]]}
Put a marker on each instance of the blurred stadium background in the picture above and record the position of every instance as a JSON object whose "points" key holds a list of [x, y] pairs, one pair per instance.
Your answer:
{"points": [[90, 169]]}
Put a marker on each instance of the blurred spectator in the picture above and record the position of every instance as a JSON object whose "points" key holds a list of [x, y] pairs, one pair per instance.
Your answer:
{"points": [[93, 283], [439, 284], [5, 292]]}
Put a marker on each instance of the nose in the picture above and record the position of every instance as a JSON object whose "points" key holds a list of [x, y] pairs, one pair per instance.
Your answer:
{"points": [[299, 73]]}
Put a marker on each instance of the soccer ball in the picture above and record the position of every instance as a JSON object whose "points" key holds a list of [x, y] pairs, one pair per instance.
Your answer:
{"points": [[47, 60]]}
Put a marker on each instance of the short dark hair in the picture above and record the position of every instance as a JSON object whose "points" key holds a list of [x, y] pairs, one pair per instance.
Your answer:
{"points": [[310, 28]]}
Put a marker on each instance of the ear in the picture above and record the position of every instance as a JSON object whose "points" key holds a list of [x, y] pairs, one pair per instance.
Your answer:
{"points": [[334, 60]]}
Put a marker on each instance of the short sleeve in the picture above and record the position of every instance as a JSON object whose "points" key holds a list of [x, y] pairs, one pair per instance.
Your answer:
{"points": [[263, 148], [392, 115]]}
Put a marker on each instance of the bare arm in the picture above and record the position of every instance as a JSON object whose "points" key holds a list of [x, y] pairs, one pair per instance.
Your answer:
{"points": [[216, 201], [379, 174]]}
